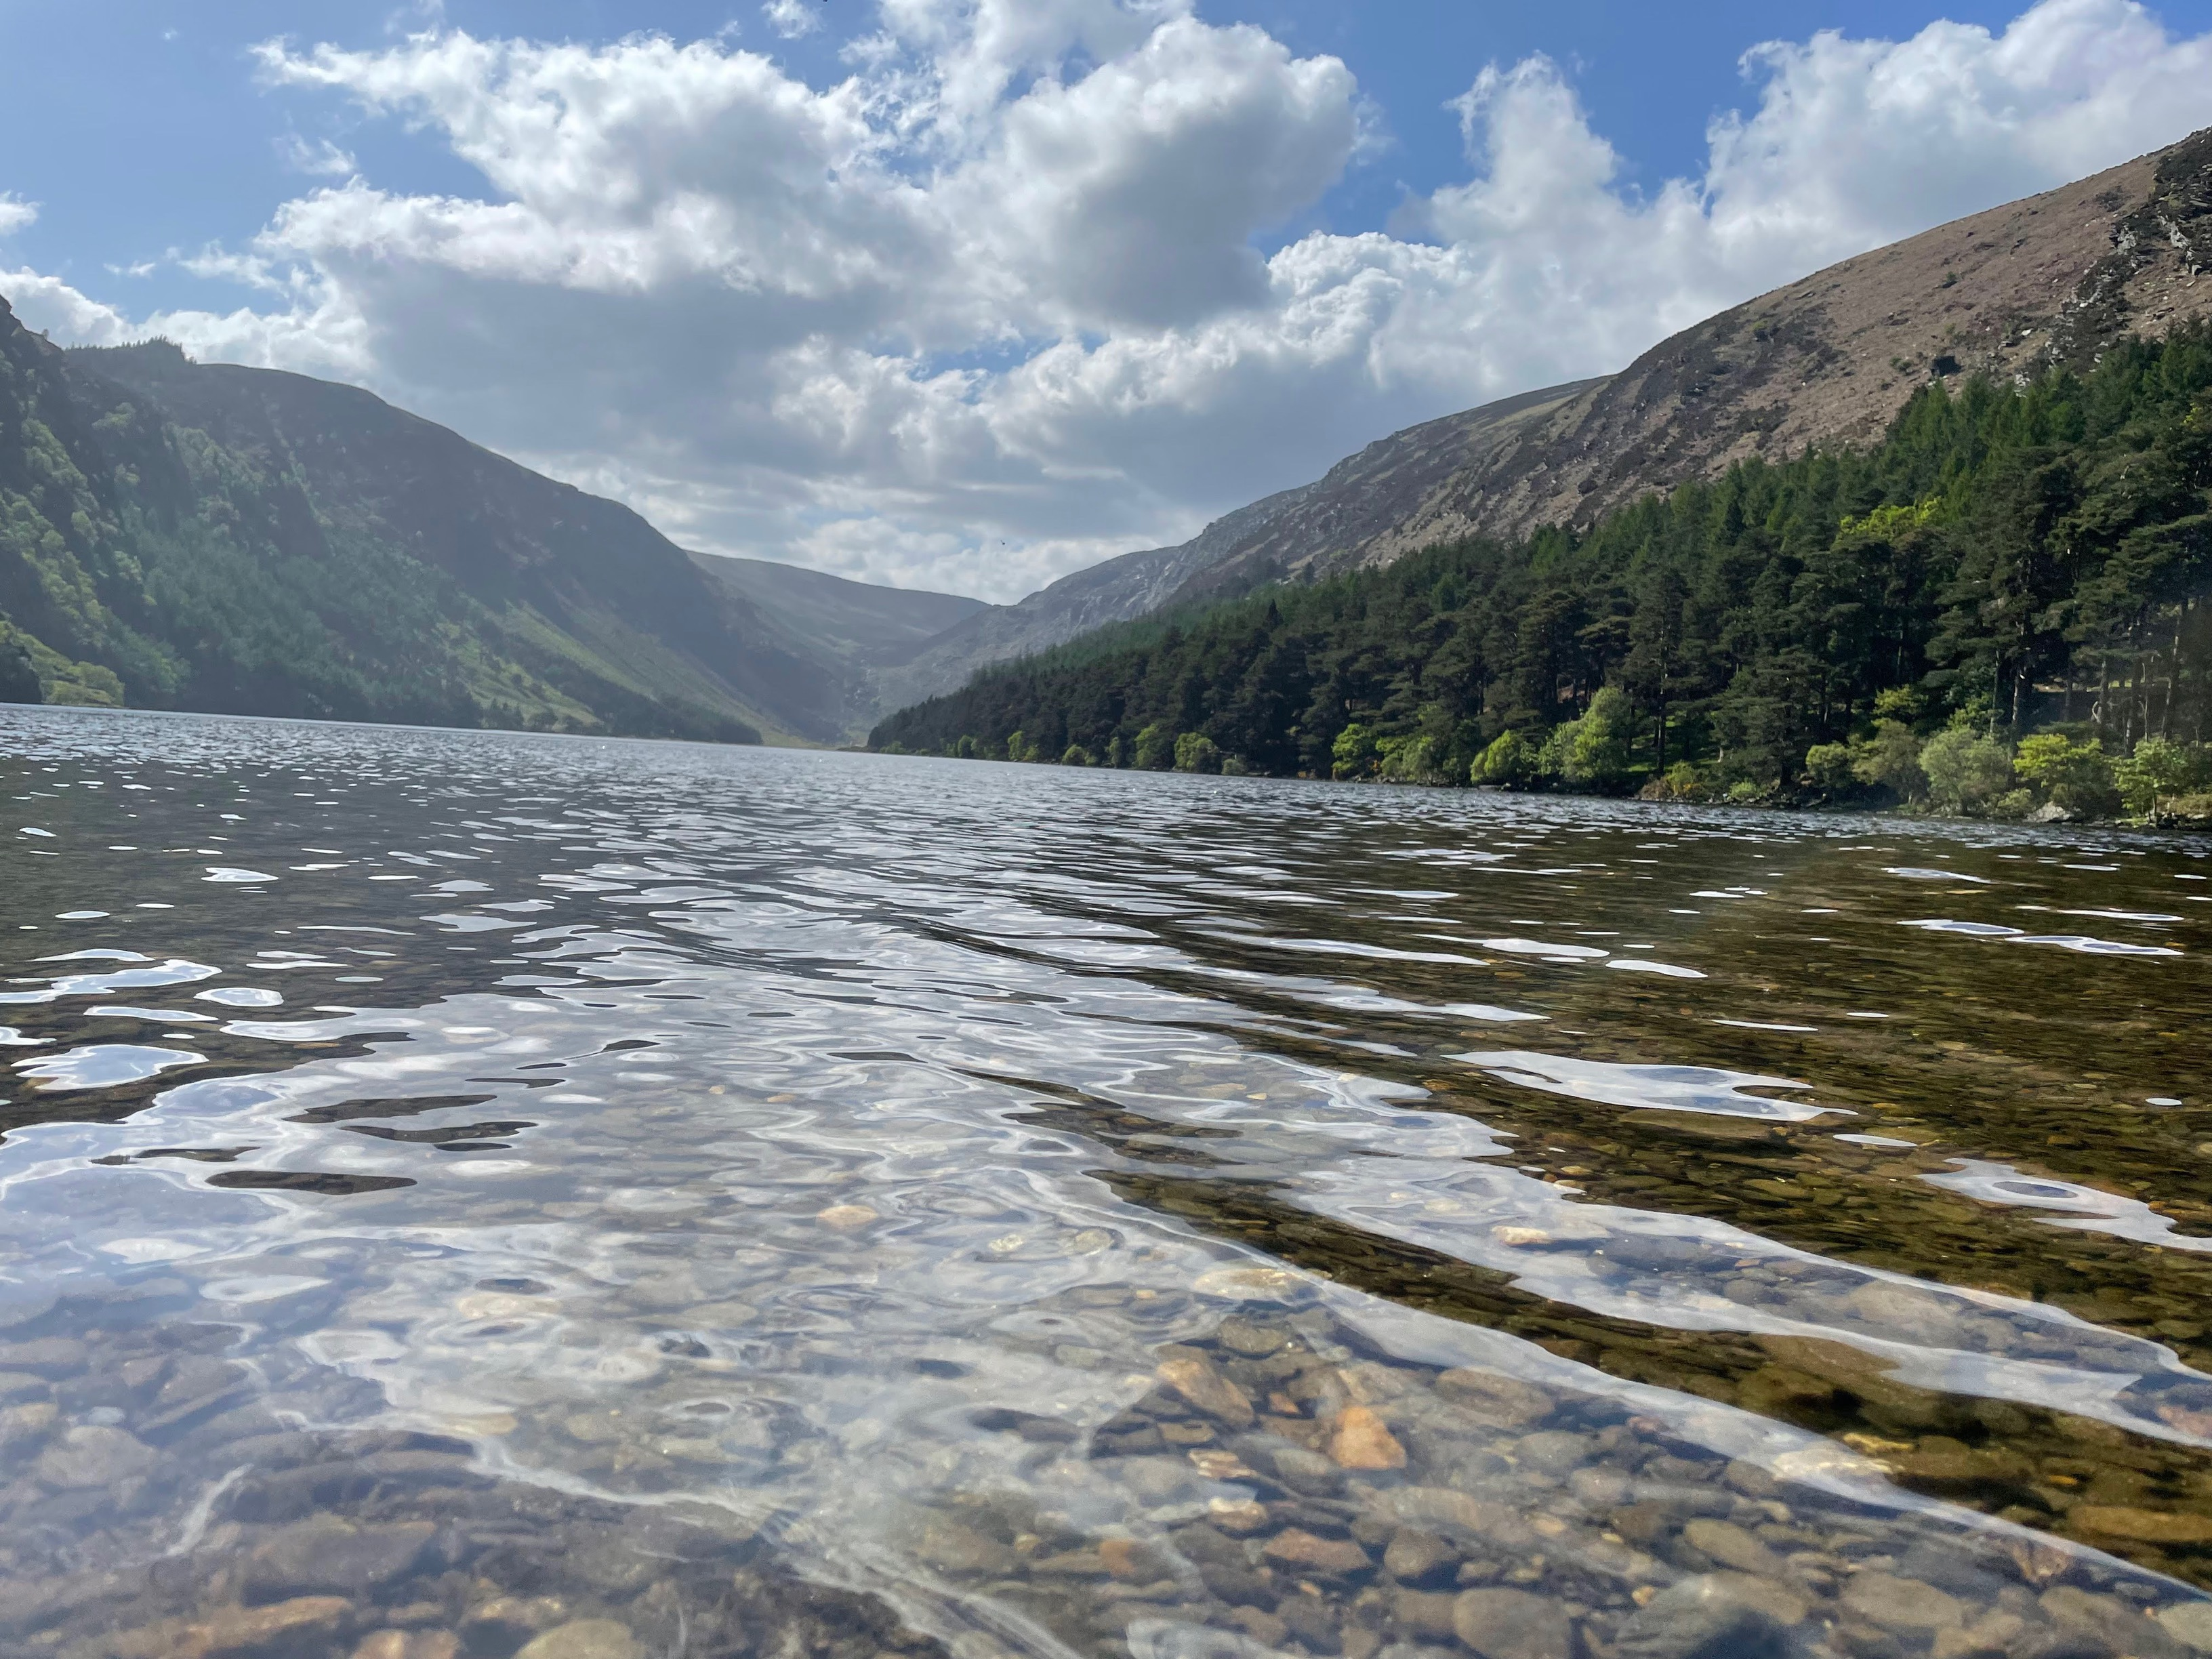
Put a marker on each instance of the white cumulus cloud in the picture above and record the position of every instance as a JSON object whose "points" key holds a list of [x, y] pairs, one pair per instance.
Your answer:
{"points": [[15, 213], [793, 18], [1000, 302]]}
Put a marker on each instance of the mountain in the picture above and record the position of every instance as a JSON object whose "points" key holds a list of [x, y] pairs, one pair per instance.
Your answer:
{"points": [[2026, 560], [176, 534], [856, 626], [1354, 493], [855, 621], [1823, 363]]}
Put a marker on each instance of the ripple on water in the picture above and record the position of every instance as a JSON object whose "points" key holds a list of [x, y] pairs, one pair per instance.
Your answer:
{"points": [[2079, 943], [241, 996], [175, 971], [2087, 1208], [1662, 1088], [1646, 965], [104, 1066], [872, 1204]]}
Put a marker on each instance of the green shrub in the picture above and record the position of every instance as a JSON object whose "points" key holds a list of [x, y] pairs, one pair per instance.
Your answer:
{"points": [[1890, 759], [1413, 759], [2160, 771], [1591, 751], [1595, 755], [1354, 753], [2075, 777], [1156, 747], [1828, 769], [87, 684], [19, 675], [2193, 808], [1196, 752], [1508, 763], [1967, 773], [1076, 755]]}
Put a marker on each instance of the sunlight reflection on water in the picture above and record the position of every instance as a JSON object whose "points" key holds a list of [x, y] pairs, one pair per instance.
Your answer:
{"points": [[924, 1182]]}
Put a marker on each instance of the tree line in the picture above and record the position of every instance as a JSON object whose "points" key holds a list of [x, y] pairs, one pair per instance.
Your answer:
{"points": [[2001, 607]]}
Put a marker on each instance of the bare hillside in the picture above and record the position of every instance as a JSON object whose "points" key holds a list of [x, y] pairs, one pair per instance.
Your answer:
{"points": [[1827, 361]]}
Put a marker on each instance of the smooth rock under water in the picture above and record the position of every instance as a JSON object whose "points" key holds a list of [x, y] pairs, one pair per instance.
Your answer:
{"points": [[587, 1638]]}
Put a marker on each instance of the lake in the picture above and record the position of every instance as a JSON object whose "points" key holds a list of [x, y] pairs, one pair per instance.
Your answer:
{"points": [[469, 1194]]}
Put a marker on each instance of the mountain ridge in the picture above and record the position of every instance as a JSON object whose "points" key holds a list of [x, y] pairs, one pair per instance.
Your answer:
{"points": [[234, 539], [1828, 360]]}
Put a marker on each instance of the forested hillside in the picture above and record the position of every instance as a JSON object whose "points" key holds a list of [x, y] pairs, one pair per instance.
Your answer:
{"points": [[2010, 559], [198, 536], [1824, 361]]}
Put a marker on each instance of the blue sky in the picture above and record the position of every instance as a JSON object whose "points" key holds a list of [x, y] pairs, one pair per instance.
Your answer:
{"points": [[140, 126], [1086, 273]]}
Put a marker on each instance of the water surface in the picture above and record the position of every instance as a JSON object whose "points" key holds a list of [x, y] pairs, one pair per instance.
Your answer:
{"points": [[472, 1193]]}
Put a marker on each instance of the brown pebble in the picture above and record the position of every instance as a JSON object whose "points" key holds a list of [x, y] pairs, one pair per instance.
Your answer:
{"points": [[91, 1456], [1235, 1516], [1216, 1464], [847, 1217], [1261, 1626], [951, 1547], [1511, 1624], [1420, 1614], [1359, 1440], [587, 1638], [1298, 1548], [1413, 1555], [506, 1621], [1209, 1391], [2124, 1629], [1732, 1546], [409, 1644], [1441, 1509], [1895, 1603], [305, 1621], [1505, 1400], [1252, 1340], [1995, 1636], [1129, 1561]]}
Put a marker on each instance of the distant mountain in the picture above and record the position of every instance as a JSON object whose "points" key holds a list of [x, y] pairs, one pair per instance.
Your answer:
{"points": [[1355, 491], [176, 534], [856, 626], [1826, 362]]}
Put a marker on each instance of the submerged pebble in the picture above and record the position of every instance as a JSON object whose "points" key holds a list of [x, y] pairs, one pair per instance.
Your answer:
{"points": [[745, 1185]]}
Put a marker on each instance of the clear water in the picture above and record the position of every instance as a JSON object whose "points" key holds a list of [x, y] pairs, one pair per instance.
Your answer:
{"points": [[477, 1194]]}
